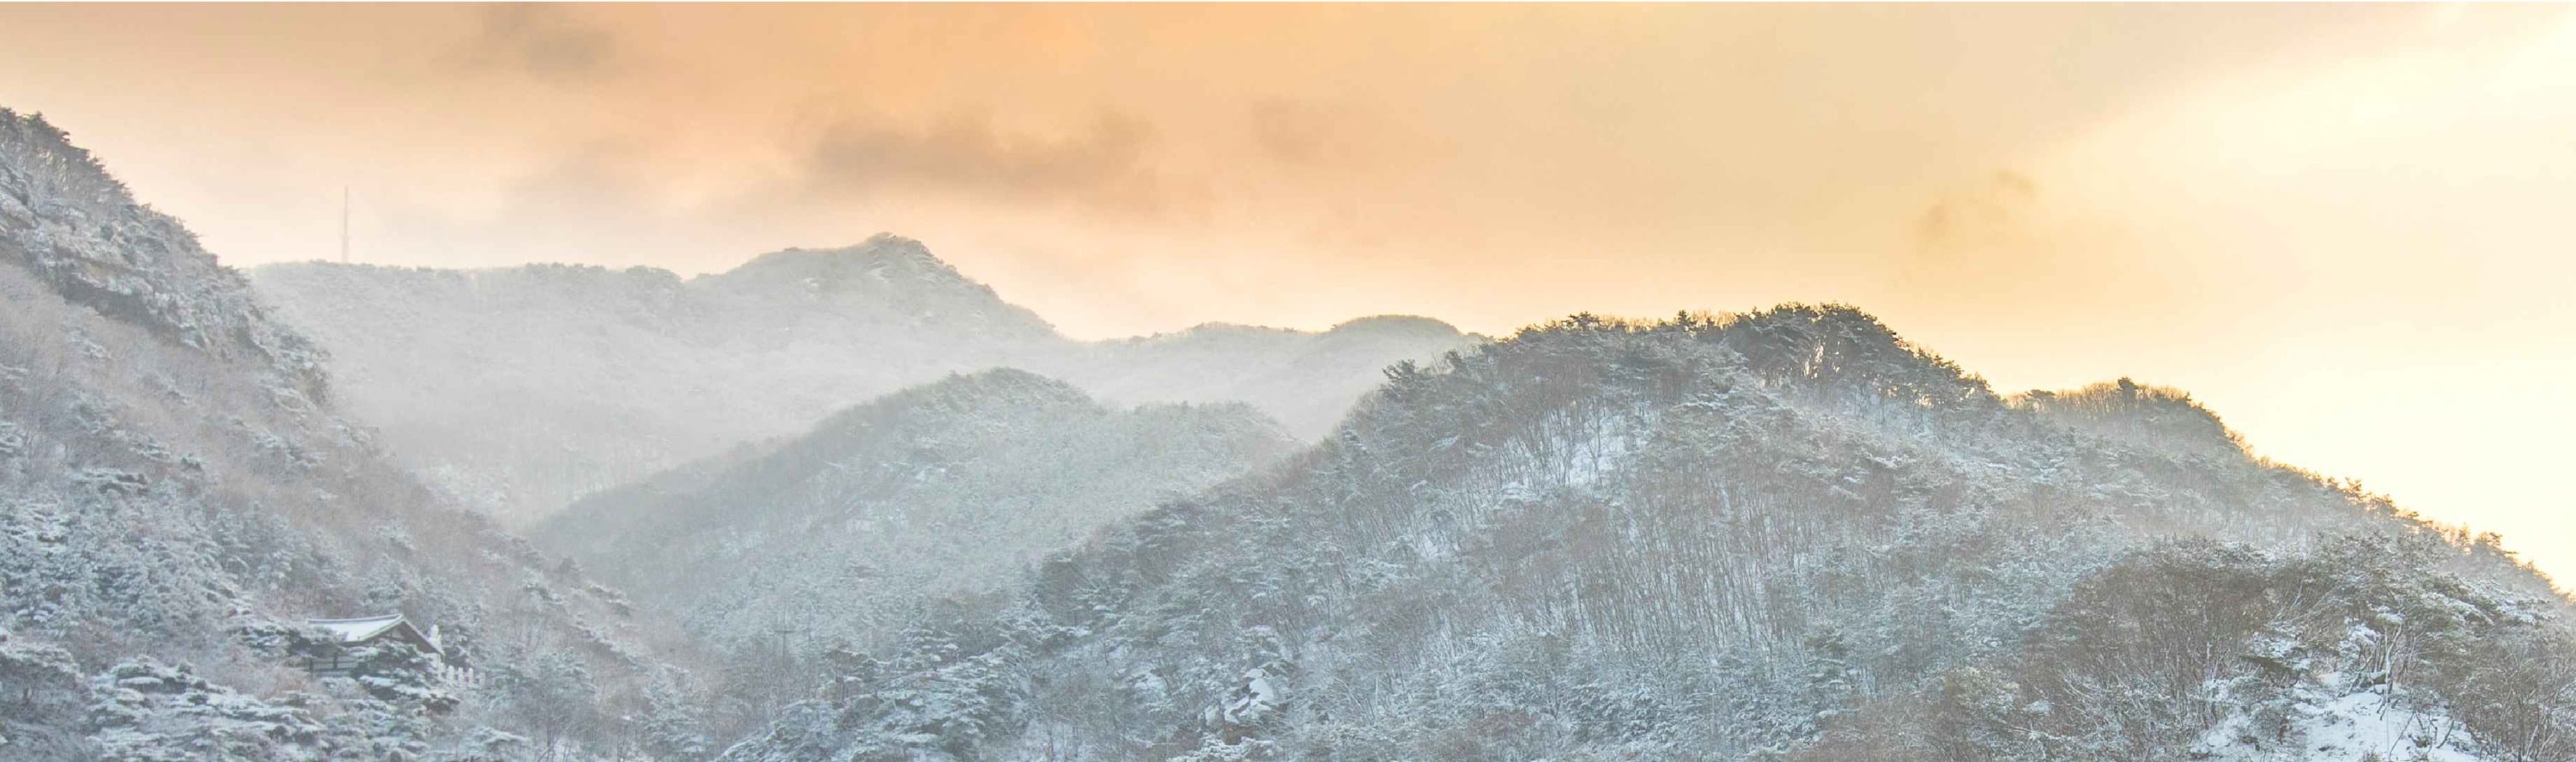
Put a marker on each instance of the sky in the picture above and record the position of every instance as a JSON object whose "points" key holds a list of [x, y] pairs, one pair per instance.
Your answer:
{"points": [[2346, 228]]}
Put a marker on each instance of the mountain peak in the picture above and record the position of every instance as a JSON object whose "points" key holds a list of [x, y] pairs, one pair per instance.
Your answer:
{"points": [[1840, 346], [1004, 386], [884, 257], [1408, 326], [2145, 414], [884, 272]]}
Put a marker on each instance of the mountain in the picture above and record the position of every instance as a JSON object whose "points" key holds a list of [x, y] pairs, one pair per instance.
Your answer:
{"points": [[179, 494], [1785, 535], [948, 489], [1306, 380], [531, 386], [523, 389]]}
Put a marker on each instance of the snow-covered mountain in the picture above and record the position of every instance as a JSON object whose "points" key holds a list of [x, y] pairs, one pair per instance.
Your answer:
{"points": [[1784, 535], [179, 494], [523, 389], [834, 537], [1787, 535]]}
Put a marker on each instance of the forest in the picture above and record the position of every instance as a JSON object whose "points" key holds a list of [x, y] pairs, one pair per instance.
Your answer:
{"points": [[849, 505]]}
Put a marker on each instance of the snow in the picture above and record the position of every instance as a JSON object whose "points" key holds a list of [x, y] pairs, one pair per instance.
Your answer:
{"points": [[1684, 540], [177, 489], [2358, 726], [359, 629], [1258, 700]]}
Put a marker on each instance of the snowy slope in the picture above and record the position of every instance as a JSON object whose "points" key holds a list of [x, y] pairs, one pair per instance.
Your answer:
{"points": [[2361, 726], [946, 489], [1786, 535], [178, 494]]}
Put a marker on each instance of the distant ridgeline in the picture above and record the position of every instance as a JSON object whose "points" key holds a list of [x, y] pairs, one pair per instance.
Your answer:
{"points": [[586, 378], [178, 496], [1783, 535]]}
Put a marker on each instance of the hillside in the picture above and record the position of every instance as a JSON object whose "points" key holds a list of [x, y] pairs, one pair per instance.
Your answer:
{"points": [[523, 389], [1784, 535], [954, 488], [179, 493]]}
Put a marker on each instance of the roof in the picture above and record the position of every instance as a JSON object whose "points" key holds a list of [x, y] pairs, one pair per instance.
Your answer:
{"points": [[364, 629]]}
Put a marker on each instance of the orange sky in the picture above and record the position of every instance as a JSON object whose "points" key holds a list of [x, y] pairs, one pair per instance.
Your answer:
{"points": [[2346, 228]]}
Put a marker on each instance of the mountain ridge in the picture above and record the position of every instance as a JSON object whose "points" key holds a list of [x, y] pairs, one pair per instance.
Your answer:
{"points": [[1782, 535], [594, 376], [1788, 535]]}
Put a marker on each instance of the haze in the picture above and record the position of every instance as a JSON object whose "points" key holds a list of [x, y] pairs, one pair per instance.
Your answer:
{"points": [[2342, 227]]}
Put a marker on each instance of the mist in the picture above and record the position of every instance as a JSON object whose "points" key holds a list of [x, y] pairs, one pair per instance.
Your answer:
{"points": [[1236, 382]]}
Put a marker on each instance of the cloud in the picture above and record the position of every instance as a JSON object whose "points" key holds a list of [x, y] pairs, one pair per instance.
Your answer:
{"points": [[1107, 165], [1301, 133], [2002, 246], [1991, 215], [545, 41], [1339, 145]]}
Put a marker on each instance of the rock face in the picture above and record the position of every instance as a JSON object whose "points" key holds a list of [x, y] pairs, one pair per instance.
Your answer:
{"points": [[178, 494], [523, 389], [1785, 535]]}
